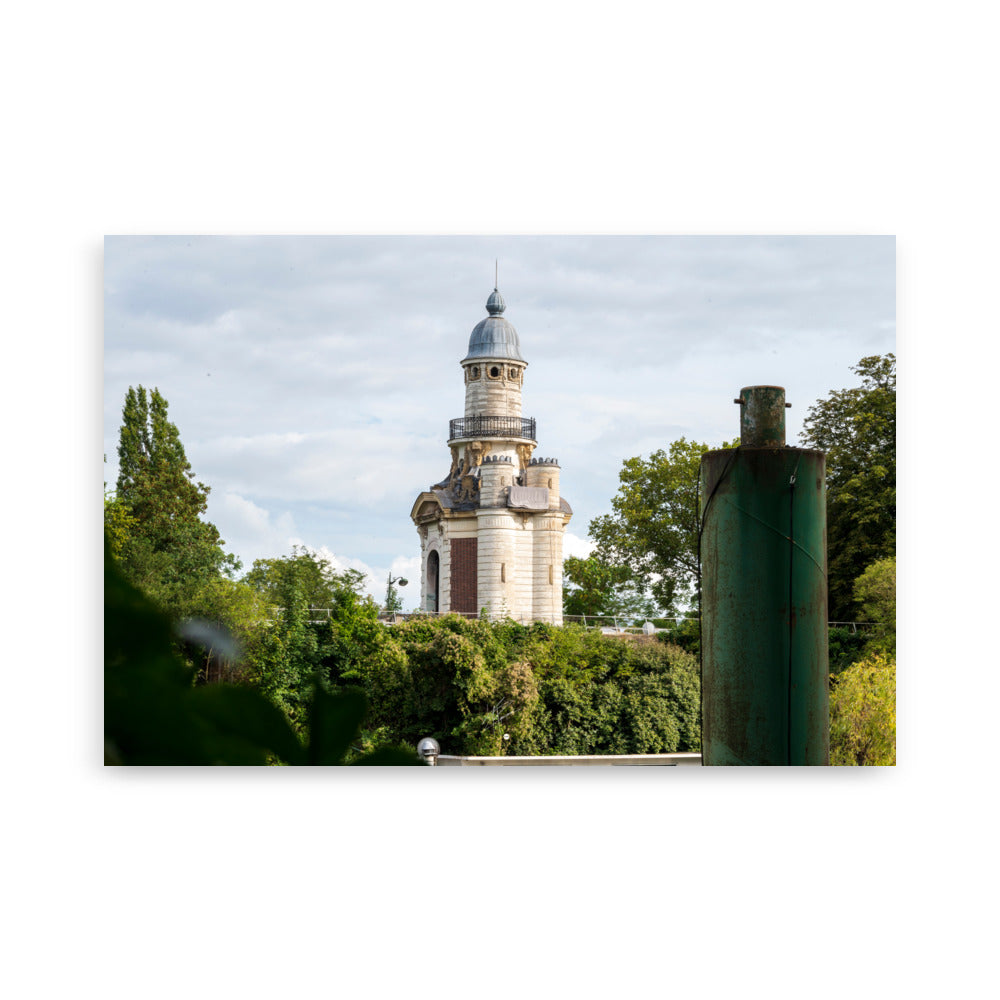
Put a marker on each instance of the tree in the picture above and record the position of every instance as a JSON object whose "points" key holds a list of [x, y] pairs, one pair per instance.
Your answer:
{"points": [[153, 713], [875, 592], [306, 574], [393, 602], [119, 524], [593, 588], [857, 430], [155, 516], [653, 532], [284, 662]]}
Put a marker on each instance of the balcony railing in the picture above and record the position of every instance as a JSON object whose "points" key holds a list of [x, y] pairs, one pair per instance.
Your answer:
{"points": [[476, 427]]}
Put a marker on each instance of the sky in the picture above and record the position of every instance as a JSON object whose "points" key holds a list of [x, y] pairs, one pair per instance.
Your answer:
{"points": [[312, 378]]}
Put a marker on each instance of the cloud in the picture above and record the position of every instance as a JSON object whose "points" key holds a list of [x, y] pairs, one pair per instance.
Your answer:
{"points": [[252, 532], [375, 577], [312, 378], [574, 545]]}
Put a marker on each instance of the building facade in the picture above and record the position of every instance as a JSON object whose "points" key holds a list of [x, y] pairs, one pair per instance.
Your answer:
{"points": [[491, 532]]}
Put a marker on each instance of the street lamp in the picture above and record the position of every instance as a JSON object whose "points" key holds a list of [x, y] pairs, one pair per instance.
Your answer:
{"points": [[429, 748], [390, 595]]}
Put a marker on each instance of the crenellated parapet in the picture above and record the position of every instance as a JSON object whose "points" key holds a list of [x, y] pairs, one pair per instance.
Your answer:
{"points": [[496, 476]]}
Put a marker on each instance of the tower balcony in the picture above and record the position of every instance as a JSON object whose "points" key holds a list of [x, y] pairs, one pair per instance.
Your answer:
{"points": [[492, 427]]}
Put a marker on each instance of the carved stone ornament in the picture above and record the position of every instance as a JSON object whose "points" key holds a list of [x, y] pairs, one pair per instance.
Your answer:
{"points": [[468, 489], [524, 454], [475, 453]]}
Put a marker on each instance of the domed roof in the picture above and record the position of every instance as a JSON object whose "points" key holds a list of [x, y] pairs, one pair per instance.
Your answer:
{"points": [[494, 337]]}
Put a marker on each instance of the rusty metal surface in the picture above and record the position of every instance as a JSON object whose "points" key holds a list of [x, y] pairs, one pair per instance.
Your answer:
{"points": [[764, 607], [762, 416]]}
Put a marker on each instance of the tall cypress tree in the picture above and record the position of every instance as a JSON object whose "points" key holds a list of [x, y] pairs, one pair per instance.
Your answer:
{"points": [[171, 552]]}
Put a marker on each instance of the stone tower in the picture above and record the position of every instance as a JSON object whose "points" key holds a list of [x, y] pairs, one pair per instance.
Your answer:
{"points": [[491, 532]]}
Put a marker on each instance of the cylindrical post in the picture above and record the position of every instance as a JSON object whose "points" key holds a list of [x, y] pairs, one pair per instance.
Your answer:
{"points": [[762, 416], [764, 599]]}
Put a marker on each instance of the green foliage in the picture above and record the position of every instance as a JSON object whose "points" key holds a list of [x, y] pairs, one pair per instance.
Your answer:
{"points": [[653, 530], [863, 713], [846, 646], [875, 592], [479, 687], [495, 688], [285, 658], [154, 714], [282, 663], [857, 429], [310, 577], [155, 520], [450, 678], [686, 634], [600, 695], [119, 524], [393, 602], [591, 587], [233, 605]]}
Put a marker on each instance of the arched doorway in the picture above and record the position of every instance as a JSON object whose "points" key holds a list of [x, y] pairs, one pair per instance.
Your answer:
{"points": [[433, 579]]}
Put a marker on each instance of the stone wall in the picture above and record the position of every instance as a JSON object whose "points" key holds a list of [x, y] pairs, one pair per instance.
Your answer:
{"points": [[494, 397], [547, 568]]}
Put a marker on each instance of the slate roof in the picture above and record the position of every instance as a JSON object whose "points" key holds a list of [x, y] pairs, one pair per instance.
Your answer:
{"points": [[494, 337]]}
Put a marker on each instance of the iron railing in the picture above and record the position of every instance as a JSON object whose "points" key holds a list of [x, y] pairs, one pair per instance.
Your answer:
{"points": [[473, 427]]}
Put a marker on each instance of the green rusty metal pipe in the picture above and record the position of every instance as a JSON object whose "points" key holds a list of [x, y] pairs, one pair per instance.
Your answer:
{"points": [[762, 416], [764, 605]]}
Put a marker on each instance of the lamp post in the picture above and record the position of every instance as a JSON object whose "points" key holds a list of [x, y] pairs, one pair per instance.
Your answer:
{"points": [[392, 601]]}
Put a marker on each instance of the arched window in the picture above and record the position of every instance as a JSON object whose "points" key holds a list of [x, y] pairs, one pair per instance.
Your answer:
{"points": [[433, 579]]}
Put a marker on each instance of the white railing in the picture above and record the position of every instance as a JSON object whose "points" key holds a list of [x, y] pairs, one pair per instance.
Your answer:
{"points": [[316, 615]]}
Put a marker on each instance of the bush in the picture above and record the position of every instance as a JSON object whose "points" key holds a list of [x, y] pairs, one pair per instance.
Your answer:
{"points": [[846, 646], [875, 591], [493, 688], [863, 714], [605, 695]]}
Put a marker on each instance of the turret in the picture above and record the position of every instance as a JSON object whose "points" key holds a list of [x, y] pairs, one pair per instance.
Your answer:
{"points": [[496, 476], [544, 473], [494, 368]]}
